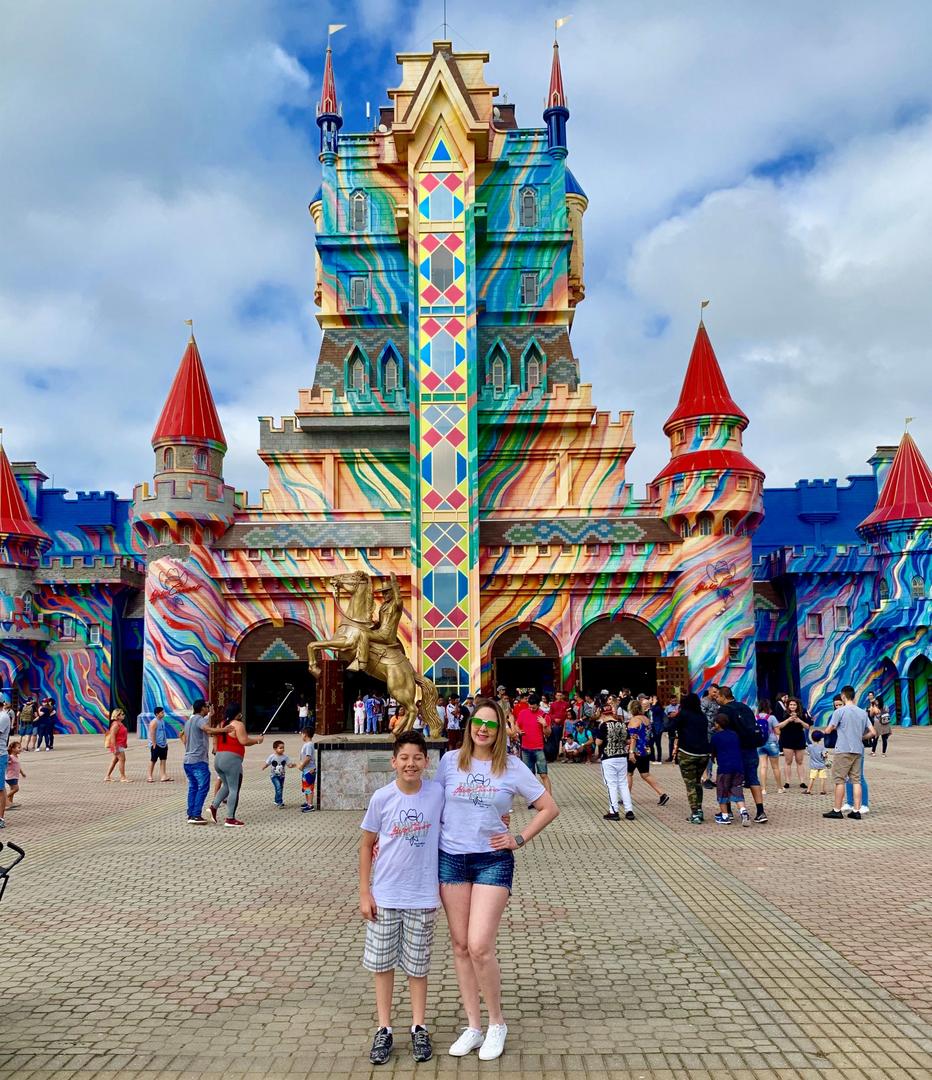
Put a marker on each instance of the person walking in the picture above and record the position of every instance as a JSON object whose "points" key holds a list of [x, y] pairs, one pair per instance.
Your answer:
{"points": [[116, 742], [476, 864], [534, 728], [743, 722], [612, 741], [852, 725], [710, 706], [658, 725], [691, 752], [228, 761], [27, 724], [880, 718], [196, 741], [638, 751], [793, 729], [769, 753], [157, 737], [6, 727]]}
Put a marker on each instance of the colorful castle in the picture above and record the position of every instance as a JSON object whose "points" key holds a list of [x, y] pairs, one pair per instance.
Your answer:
{"points": [[447, 438]]}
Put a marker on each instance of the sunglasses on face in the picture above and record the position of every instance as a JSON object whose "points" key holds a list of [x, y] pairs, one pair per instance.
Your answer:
{"points": [[492, 725]]}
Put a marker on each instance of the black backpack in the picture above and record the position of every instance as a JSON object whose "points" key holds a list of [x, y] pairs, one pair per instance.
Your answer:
{"points": [[744, 722]]}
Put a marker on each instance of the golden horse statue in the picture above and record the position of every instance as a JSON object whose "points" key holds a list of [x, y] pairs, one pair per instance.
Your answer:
{"points": [[375, 648]]}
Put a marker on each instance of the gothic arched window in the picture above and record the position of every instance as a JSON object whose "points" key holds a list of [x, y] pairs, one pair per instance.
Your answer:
{"points": [[390, 375], [705, 522], [200, 460], [528, 208], [498, 374], [918, 588], [728, 525], [359, 211], [359, 377], [533, 373], [883, 590], [168, 459]]}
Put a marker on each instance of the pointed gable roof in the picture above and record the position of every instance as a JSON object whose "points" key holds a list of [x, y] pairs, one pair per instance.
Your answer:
{"points": [[15, 519], [189, 413], [705, 392], [556, 99], [328, 90], [907, 490]]}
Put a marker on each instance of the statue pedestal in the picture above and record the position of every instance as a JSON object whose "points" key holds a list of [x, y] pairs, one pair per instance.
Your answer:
{"points": [[351, 767]]}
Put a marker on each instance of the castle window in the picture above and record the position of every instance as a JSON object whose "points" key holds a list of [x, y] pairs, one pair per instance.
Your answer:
{"points": [[518, 550], [326, 553], [918, 588], [684, 529], [226, 555], [664, 549], [440, 204], [533, 373], [705, 522], [728, 525], [593, 549], [842, 617], [390, 376], [359, 377], [498, 375], [277, 555], [200, 460], [359, 291], [187, 534], [618, 549], [66, 629], [676, 487], [530, 295], [709, 482], [93, 634], [398, 552], [359, 212], [730, 430], [705, 430], [441, 268], [568, 549], [528, 211], [743, 483], [734, 650], [374, 553], [495, 552], [543, 549], [165, 536], [168, 459], [883, 590], [814, 625], [640, 549], [253, 555], [679, 436]]}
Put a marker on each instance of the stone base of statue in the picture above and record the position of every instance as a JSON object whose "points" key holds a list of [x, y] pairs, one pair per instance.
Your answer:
{"points": [[351, 767]]}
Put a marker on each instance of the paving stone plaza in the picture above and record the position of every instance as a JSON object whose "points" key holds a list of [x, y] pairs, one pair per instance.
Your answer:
{"points": [[140, 946]]}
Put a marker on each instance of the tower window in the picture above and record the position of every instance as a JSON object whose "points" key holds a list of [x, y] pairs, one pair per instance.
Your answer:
{"points": [[200, 460], [498, 375], [359, 377], [93, 634], [814, 626], [530, 295], [528, 210], [679, 437], [684, 529], [168, 459], [359, 291], [734, 650], [66, 628], [728, 526], [744, 483], [705, 430], [390, 375], [533, 373], [918, 588], [441, 268], [359, 212], [705, 524], [883, 590]]}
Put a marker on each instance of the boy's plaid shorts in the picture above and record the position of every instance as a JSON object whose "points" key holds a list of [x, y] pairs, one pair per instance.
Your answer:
{"points": [[400, 937]]}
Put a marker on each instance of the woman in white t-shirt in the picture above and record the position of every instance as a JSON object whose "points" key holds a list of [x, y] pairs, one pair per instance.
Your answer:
{"points": [[476, 863], [359, 717]]}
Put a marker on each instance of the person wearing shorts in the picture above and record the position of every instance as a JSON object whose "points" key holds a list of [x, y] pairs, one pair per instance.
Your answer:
{"points": [[639, 751], [729, 773], [400, 901], [852, 725], [534, 726], [308, 766], [476, 863], [158, 747]]}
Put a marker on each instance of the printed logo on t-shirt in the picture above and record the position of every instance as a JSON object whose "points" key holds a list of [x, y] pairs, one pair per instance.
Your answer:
{"points": [[412, 827], [478, 789]]}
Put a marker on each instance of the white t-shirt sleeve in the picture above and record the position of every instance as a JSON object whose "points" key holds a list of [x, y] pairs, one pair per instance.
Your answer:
{"points": [[526, 783], [372, 822]]}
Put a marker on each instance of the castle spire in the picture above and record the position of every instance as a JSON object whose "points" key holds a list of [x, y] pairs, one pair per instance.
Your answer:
{"points": [[705, 392], [189, 414], [556, 113], [907, 491], [329, 117], [15, 519]]}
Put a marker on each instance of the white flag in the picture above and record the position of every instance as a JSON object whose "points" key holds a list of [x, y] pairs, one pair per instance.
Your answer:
{"points": [[561, 22], [333, 27]]}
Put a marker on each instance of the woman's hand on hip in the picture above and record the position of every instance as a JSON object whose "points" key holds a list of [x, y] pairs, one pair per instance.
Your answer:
{"points": [[504, 841]]}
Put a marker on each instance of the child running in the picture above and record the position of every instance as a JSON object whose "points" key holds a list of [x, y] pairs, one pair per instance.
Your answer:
{"points": [[400, 904], [278, 761], [818, 766], [13, 773], [308, 767], [729, 779]]}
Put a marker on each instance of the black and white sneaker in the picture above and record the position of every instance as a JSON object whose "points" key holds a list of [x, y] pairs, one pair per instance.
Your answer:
{"points": [[761, 818], [663, 800], [381, 1047], [612, 815], [629, 815], [420, 1044]]}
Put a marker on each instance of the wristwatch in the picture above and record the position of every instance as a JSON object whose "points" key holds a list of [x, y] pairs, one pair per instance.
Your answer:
{"points": [[520, 841]]}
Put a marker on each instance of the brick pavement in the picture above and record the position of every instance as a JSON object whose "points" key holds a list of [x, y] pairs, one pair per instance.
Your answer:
{"points": [[650, 951]]}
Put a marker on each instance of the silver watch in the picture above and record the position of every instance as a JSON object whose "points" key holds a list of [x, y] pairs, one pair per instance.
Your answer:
{"points": [[520, 841]]}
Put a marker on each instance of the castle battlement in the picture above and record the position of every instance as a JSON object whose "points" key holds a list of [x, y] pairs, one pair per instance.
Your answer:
{"points": [[199, 490]]}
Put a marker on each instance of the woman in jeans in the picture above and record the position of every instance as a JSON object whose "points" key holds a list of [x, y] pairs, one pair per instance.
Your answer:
{"points": [[691, 751], [770, 751], [480, 782], [228, 761]]}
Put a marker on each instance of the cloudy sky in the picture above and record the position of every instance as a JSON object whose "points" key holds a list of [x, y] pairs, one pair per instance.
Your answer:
{"points": [[158, 160]]}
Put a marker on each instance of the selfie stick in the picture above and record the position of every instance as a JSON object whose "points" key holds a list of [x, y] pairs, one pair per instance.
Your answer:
{"points": [[279, 709]]}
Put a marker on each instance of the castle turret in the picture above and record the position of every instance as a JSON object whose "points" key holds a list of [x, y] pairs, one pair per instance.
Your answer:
{"points": [[329, 117], [21, 544], [556, 113], [190, 502], [709, 486], [905, 500]]}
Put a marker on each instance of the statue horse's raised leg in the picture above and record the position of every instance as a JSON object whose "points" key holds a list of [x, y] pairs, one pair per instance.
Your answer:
{"points": [[337, 645]]}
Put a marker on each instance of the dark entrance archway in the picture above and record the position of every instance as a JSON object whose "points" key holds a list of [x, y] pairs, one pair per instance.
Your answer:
{"points": [[270, 657], [618, 653], [526, 657]]}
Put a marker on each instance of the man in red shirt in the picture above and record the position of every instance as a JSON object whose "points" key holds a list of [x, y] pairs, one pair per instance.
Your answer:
{"points": [[534, 727]]}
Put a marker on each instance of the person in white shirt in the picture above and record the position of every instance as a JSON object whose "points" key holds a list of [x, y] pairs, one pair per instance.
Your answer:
{"points": [[359, 717], [476, 863]]}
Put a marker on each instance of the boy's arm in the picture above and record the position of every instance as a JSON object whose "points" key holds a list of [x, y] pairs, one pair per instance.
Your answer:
{"points": [[367, 905], [265, 765]]}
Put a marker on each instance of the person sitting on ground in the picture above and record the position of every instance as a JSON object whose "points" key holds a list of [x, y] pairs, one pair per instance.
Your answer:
{"points": [[581, 745]]}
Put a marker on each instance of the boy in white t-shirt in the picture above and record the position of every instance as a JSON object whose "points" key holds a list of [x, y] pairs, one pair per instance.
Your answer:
{"points": [[278, 761], [400, 904]]}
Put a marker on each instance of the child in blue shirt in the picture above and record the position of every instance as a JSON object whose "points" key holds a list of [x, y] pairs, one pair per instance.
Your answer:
{"points": [[729, 778]]}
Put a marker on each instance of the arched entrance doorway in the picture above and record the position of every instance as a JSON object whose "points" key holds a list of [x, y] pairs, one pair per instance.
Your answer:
{"points": [[270, 657], [920, 686], [526, 657], [618, 653], [889, 689]]}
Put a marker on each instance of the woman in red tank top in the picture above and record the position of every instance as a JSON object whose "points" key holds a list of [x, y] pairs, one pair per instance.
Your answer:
{"points": [[228, 761]]}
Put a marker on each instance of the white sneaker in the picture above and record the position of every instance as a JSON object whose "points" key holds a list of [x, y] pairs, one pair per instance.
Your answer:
{"points": [[467, 1042], [864, 809], [494, 1042], [846, 808]]}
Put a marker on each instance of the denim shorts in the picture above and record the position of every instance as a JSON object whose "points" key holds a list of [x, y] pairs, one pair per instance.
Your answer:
{"points": [[478, 868], [751, 779], [536, 761], [769, 749]]}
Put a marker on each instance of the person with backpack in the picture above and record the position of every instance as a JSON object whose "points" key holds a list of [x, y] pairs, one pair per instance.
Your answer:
{"points": [[743, 722]]}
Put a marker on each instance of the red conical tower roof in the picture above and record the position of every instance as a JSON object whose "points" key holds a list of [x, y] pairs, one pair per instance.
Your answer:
{"points": [[189, 413], [907, 491], [328, 90], [705, 392], [556, 97], [15, 519]]}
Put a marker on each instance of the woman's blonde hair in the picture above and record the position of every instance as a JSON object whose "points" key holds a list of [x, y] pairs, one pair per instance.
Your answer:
{"points": [[116, 714], [636, 708], [499, 747]]}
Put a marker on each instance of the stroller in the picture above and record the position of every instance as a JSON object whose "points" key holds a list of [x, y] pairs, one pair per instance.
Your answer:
{"points": [[5, 870]]}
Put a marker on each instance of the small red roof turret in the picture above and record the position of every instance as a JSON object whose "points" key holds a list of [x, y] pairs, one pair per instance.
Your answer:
{"points": [[15, 519], [189, 413], [907, 491], [705, 392]]}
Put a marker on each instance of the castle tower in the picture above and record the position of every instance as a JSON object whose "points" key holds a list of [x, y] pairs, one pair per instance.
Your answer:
{"points": [[708, 487], [329, 117], [556, 113], [189, 508]]}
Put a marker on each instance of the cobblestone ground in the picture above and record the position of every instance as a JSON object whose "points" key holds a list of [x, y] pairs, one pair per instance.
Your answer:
{"points": [[137, 945]]}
